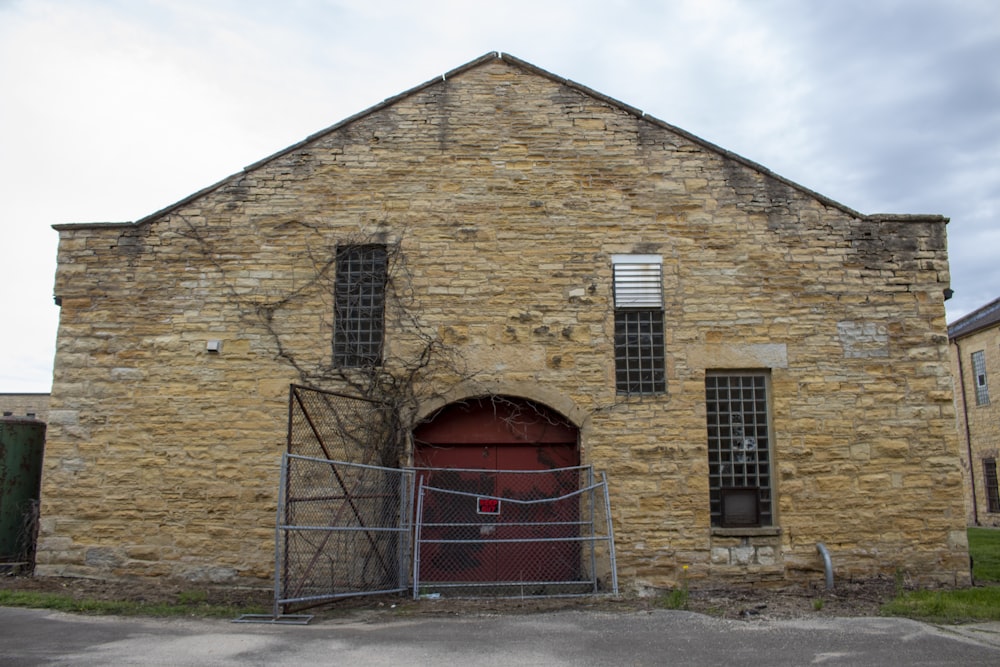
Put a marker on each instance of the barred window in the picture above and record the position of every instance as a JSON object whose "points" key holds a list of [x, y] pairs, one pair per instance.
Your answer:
{"points": [[359, 306], [979, 372], [640, 365], [739, 457], [990, 479]]}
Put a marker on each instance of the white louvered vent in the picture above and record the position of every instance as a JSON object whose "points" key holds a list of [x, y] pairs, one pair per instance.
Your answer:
{"points": [[638, 281]]}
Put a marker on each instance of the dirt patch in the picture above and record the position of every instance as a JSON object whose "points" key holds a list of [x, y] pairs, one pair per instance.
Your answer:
{"points": [[847, 599]]}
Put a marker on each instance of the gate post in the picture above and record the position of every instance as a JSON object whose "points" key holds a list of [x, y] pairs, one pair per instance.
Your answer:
{"points": [[416, 536], [280, 562], [611, 535]]}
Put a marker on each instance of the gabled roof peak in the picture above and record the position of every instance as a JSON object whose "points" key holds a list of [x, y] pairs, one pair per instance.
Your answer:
{"points": [[495, 56]]}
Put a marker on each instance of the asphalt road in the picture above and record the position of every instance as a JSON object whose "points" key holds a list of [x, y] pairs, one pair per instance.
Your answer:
{"points": [[38, 637]]}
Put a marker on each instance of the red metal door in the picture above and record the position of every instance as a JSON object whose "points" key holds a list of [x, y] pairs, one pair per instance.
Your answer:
{"points": [[491, 435], [544, 549], [468, 469]]}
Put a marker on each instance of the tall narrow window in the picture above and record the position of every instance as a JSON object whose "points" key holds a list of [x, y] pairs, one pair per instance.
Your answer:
{"points": [[640, 366], [990, 479], [359, 306], [979, 372], [739, 458]]}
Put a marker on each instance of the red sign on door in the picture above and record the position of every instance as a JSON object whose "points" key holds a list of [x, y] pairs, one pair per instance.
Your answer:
{"points": [[488, 505]]}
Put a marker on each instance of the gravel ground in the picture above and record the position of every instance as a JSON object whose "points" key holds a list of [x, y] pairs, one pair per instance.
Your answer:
{"points": [[847, 599]]}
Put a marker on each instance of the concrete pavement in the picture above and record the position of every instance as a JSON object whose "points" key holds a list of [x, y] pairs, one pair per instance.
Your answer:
{"points": [[31, 637]]}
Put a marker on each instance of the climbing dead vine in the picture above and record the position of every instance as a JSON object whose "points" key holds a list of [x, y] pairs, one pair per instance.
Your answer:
{"points": [[286, 311]]}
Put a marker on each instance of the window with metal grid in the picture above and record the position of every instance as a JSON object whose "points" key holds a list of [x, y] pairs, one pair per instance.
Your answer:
{"points": [[640, 367], [359, 306], [739, 459], [640, 364], [990, 479], [979, 372]]}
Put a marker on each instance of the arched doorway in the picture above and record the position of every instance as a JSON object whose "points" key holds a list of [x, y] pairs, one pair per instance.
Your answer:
{"points": [[497, 433], [470, 447]]}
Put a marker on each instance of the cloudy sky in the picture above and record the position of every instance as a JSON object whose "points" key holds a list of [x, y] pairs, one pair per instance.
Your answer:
{"points": [[113, 109]]}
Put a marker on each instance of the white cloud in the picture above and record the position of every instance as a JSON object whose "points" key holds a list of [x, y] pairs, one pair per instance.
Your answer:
{"points": [[113, 109]]}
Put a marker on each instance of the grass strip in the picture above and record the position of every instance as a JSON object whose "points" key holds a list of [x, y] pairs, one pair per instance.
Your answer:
{"points": [[954, 606], [984, 547], [69, 604]]}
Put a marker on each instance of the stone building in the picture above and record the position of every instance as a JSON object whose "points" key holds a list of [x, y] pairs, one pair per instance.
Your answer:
{"points": [[32, 405], [757, 368], [975, 355]]}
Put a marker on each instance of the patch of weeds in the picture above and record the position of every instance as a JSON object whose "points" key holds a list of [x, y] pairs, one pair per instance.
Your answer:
{"points": [[818, 604], [192, 597], [678, 597]]}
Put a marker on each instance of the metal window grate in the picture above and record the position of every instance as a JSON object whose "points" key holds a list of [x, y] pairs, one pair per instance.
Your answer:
{"points": [[738, 440], [640, 366], [992, 492], [979, 372], [359, 305]]}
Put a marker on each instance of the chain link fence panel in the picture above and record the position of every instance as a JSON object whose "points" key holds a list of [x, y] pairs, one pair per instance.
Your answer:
{"points": [[343, 530], [339, 427], [513, 533]]}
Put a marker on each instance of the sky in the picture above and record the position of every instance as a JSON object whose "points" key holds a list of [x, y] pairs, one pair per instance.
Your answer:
{"points": [[113, 109]]}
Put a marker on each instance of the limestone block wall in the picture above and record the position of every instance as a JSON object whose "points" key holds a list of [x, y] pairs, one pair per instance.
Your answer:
{"points": [[978, 425], [25, 405], [502, 193]]}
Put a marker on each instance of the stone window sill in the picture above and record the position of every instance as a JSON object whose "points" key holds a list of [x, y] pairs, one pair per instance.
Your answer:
{"points": [[764, 531]]}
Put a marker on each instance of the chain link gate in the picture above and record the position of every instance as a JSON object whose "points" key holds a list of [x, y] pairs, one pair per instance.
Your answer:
{"points": [[513, 533], [344, 518]]}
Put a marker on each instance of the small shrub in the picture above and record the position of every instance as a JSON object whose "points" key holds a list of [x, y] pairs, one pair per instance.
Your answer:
{"points": [[675, 599], [899, 580]]}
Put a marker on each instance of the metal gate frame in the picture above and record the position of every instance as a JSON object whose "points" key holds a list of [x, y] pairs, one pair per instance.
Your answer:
{"points": [[336, 506], [355, 523]]}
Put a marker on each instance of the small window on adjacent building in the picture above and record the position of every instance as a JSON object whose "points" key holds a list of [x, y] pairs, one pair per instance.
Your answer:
{"points": [[739, 458], [640, 366], [979, 372], [990, 479], [359, 306]]}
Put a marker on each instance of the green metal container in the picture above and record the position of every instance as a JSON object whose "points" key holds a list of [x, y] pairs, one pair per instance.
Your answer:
{"points": [[22, 443]]}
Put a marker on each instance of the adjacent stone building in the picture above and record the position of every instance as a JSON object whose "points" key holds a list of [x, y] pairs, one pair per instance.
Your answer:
{"points": [[757, 368], [975, 356], [30, 405]]}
